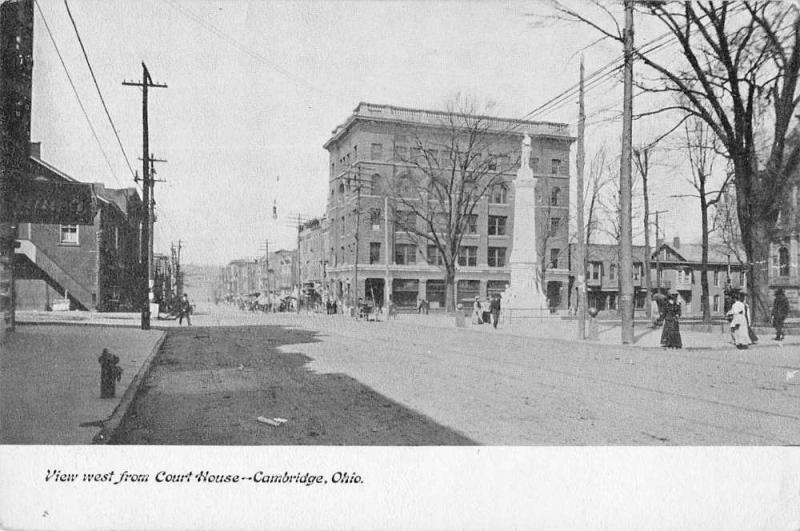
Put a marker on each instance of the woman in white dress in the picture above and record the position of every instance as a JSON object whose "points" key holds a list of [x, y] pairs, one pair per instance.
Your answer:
{"points": [[739, 325]]}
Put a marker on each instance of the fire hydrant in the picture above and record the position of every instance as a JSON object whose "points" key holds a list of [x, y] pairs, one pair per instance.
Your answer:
{"points": [[110, 373]]}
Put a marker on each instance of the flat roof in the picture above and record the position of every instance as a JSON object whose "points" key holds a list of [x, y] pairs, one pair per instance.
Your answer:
{"points": [[391, 113]]}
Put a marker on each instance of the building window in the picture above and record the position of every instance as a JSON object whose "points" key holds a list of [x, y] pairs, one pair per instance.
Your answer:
{"points": [[716, 277], [341, 225], [405, 253], [554, 223], [472, 224], [555, 167], [374, 252], [378, 184], [401, 153], [497, 256], [497, 225], [499, 194], [715, 307], [375, 218], [116, 238], [435, 256], [595, 270], [742, 280], [534, 162], [685, 276], [405, 220], [69, 235], [376, 152], [783, 262], [612, 272], [554, 258], [468, 256], [555, 196]]}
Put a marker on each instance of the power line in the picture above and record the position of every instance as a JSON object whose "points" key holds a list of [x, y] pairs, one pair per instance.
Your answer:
{"points": [[255, 55], [77, 96], [99, 92]]}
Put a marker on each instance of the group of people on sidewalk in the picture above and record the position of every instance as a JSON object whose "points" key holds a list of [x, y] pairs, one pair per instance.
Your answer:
{"points": [[479, 314], [741, 329]]}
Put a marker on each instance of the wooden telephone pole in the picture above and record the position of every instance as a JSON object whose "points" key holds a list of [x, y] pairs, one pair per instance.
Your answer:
{"points": [[581, 248], [626, 238], [147, 184]]}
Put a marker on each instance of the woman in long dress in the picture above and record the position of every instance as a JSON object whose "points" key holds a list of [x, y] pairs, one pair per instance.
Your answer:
{"points": [[476, 312], [671, 335], [739, 325]]}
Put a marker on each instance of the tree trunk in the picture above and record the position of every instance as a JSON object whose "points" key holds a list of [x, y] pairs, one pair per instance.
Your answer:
{"points": [[704, 257], [758, 258], [450, 289]]}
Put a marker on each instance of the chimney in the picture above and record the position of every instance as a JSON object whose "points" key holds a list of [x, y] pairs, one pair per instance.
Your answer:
{"points": [[36, 150], [676, 242]]}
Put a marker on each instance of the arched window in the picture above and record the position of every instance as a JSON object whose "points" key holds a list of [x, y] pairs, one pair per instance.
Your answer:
{"points": [[341, 188], [783, 262], [555, 196], [498, 194]]}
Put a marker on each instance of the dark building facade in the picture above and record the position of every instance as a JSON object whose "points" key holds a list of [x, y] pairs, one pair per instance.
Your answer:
{"points": [[97, 266]]}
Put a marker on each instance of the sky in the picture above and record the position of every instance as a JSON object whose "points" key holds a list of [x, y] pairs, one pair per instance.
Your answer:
{"points": [[254, 90]]}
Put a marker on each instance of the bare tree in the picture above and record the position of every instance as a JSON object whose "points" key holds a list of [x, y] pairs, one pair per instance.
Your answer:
{"points": [[442, 176], [642, 160], [738, 74], [600, 176], [702, 146]]}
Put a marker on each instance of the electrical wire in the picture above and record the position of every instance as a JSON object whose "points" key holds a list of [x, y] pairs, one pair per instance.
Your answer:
{"points": [[99, 92], [255, 55], [77, 96]]}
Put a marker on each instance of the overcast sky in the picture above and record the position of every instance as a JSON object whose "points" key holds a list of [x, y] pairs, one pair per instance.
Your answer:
{"points": [[255, 88]]}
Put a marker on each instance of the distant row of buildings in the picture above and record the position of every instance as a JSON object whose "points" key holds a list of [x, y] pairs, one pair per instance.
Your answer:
{"points": [[362, 246], [275, 273]]}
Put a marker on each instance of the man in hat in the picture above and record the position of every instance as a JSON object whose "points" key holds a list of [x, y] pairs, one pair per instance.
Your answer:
{"points": [[780, 309], [184, 310]]}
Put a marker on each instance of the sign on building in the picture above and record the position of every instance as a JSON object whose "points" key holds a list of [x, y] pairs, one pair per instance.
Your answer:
{"points": [[54, 203]]}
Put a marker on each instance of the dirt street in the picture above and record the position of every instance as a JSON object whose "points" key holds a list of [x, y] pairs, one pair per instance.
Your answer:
{"points": [[342, 381], [208, 385]]}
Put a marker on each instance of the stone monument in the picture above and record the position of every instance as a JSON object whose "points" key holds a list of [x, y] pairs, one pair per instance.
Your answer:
{"points": [[524, 294]]}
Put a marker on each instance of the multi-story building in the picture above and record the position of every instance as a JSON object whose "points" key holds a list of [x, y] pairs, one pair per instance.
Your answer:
{"points": [[313, 239], [97, 266], [241, 277], [673, 268], [373, 150], [784, 267]]}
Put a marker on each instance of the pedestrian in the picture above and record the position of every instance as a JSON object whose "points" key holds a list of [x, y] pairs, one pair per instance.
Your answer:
{"points": [[476, 312], [738, 324], [184, 310], [494, 309], [780, 309], [671, 335], [747, 314]]}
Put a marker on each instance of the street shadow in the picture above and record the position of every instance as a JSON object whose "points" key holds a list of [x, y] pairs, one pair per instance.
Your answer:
{"points": [[211, 385]]}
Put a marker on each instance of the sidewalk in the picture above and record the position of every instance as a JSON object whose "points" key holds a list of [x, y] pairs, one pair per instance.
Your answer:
{"points": [[50, 380]]}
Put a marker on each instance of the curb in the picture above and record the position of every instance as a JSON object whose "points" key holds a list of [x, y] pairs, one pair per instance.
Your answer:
{"points": [[112, 423]]}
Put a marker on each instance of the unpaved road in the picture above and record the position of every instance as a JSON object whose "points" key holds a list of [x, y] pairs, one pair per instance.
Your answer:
{"points": [[341, 381], [209, 385]]}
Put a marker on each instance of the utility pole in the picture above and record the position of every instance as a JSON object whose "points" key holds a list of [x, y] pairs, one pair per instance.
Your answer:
{"points": [[387, 288], [178, 273], [626, 240], [297, 221], [147, 250], [265, 280], [581, 248], [658, 254]]}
